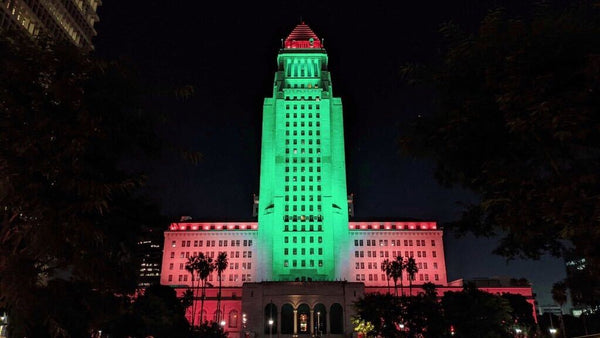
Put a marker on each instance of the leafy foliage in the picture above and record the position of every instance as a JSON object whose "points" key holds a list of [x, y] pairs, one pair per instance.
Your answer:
{"points": [[475, 313], [158, 313], [69, 211], [472, 313], [384, 311], [362, 326], [518, 124]]}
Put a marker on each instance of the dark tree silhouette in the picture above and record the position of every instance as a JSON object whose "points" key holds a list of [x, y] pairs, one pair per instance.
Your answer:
{"points": [[411, 271], [220, 265], [70, 213], [517, 124]]}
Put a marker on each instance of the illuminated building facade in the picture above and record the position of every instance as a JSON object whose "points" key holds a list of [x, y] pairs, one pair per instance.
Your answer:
{"points": [[299, 269], [72, 20]]}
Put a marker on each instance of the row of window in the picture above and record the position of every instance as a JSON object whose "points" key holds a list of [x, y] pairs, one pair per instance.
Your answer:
{"points": [[373, 277], [302, 159], [303, 132], [245, 277], [394, 242], [302, 207], [302, 124], [373, 265], [311, 251], [394, 254], [212, 254], [209, 243], [232, 266], [302, 115], [233, 317], [295, 85], [302, 141], [303, 169], [303, 227], [286, 239], [311, 263], [303, 218], [302, 98]]}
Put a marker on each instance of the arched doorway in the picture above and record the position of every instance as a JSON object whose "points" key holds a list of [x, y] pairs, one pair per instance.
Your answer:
{"points": [[320, 319], [336, 318], [303, 319], [270, 318], [287, 319]]}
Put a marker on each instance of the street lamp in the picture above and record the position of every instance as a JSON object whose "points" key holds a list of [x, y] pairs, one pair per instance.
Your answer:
{"points": [[553, 331], [518, 331], [270, 328], [223, 323]]}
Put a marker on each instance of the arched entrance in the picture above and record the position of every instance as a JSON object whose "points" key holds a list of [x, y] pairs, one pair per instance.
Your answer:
{"points": [[303, 319], [287, 319], [270, 318], [320, 319], [336, 319]]}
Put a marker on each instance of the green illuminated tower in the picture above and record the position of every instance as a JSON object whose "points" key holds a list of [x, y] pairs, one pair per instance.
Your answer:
{"points": [[302, 210]]}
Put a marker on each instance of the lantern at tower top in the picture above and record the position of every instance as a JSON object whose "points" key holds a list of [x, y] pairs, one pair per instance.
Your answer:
{"points": [[302, 37]]}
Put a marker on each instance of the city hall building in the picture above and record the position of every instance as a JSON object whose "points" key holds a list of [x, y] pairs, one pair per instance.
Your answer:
{"points": [[297, 270]]}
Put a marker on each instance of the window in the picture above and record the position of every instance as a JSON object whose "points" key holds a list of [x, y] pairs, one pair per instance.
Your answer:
{"points": [[436, 277], [171, 278], [433, 253], [171, 266], [173, 244], [173, 254]]}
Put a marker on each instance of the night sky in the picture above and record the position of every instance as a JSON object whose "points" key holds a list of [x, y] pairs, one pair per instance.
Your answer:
{"points": [[227, 51]]}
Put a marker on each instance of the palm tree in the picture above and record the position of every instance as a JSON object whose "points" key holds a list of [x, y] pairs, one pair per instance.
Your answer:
{"points": [[402, 266], [204, 268], [220, 265], [396, 268], [411, 270], [191, 266], [559, 295], [385, 267]]}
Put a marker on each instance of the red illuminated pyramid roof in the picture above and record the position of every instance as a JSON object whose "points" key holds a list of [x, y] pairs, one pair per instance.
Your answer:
{"points": [[302, 37]]}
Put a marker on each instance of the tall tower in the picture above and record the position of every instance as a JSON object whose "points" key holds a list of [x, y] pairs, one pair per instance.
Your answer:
{"points": [[303, 212]]}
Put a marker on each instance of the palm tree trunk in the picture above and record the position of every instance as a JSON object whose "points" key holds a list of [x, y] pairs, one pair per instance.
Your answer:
{"points": [[388, 280], [202, 303], [219, 300], [194, 292], [401, 286]]}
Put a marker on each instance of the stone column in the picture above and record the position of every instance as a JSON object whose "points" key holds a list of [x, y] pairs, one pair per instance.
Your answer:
{"points": [[311, 321], [295, 322]]}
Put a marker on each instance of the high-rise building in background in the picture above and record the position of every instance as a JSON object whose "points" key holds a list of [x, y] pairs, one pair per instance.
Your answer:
{"points": [[72, 20], [149, 257], [299, 269]]}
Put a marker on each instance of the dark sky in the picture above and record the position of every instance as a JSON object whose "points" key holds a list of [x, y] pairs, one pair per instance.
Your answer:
{"points": [[227, 51]]}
